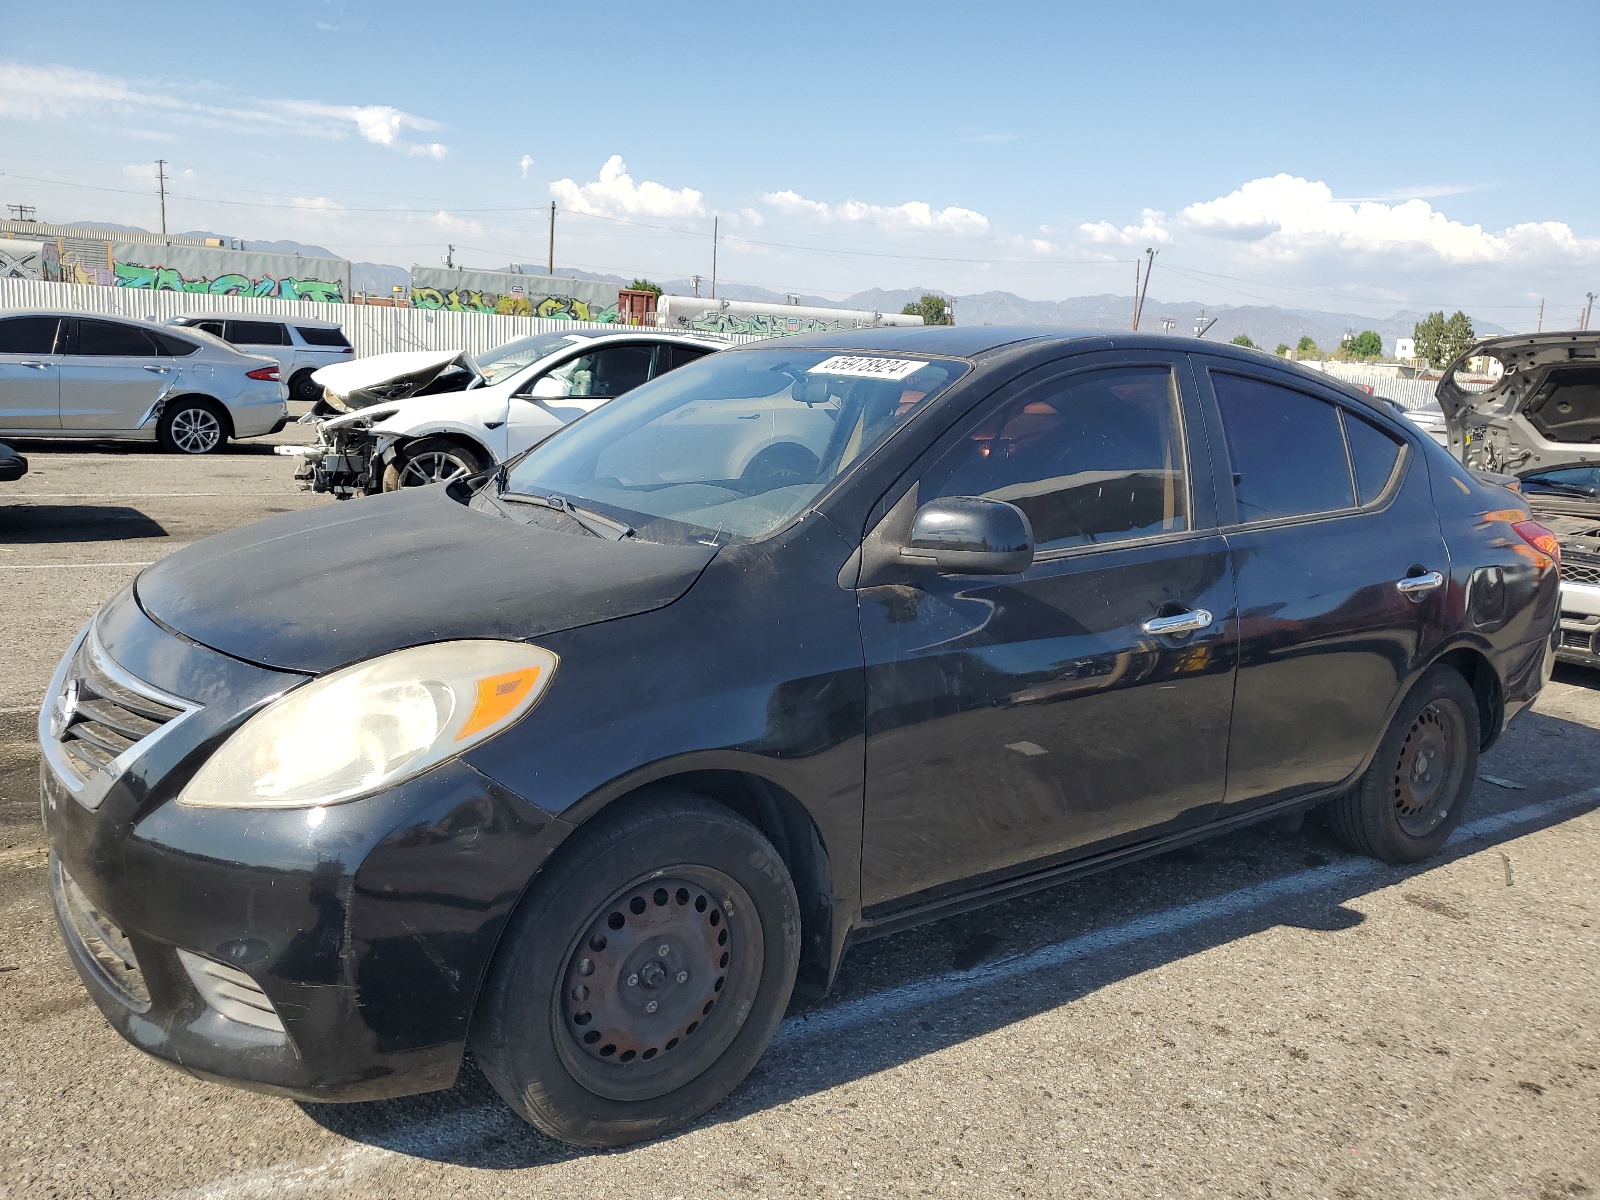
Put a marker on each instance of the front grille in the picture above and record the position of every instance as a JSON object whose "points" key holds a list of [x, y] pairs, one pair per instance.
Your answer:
{"points": [[106, 947], [100, 718], [1580, 572]]}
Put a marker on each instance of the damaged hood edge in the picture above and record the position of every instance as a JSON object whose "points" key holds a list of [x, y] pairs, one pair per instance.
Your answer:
{"points": [[364, 382]]}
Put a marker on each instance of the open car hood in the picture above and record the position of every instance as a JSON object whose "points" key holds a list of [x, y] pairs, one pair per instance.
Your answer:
{"points": [[362, 382], [1542, 413]]}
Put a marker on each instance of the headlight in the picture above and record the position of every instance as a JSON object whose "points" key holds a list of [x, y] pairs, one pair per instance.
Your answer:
{"points": [[365, 727]]}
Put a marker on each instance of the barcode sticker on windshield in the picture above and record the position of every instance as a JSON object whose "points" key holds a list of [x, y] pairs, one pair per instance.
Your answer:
{"points": [[864, 367]]}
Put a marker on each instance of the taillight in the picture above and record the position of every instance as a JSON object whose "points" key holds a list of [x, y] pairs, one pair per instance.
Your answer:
{"points": [[348, 350], [263, 373], [1540, 538]]}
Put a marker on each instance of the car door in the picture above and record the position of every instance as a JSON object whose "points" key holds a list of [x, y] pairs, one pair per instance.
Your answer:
{"points": [[575, 386], [1019, 721], [112, 375], [1339, 564], [30, 373]]}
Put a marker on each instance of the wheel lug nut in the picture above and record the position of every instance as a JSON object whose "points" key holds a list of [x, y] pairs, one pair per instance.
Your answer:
{"points": [[683, 977], [651, 1007], [633, 981], [663, 950]]}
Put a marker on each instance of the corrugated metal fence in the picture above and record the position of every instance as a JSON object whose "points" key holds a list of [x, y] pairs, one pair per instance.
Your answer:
{"points": [[371, 328]]}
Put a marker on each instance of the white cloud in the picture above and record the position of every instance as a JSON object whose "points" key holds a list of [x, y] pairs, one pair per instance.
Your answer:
{"points": [[1152, 228], [525, 164], [616, 194], [913, 216], [40, 92]]}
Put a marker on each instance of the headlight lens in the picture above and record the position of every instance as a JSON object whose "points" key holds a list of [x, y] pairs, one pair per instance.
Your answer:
{"points": [[365, 727]]}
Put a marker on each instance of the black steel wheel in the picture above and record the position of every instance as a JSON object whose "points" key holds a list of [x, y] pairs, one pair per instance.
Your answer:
{"points": [[1413, 794], [304, 389], [643, 975]]}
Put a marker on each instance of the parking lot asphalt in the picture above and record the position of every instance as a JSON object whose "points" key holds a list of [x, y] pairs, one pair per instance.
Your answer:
{"points": [[1259, 1015]]}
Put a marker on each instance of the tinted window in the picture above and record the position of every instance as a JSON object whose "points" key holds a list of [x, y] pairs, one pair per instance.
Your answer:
{"points": [[1286, 450], [1373, 454], [608, 372], [214, 328], [315, 336], [110, 337], [28, 335], [1095, 458], [1567, 408], [673, 357], [257, 333], [175, 346]]}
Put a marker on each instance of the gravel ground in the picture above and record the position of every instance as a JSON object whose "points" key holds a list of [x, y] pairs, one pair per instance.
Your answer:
{"points": [[1260, 1015]]}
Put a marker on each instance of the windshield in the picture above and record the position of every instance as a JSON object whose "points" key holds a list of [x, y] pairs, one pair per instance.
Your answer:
{"points": [[735, 444], [505, 361], [1568, 481]]}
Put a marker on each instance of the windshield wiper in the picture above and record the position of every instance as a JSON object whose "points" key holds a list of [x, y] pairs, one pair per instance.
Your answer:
{"points": [[1563, 489], [596, 523]]}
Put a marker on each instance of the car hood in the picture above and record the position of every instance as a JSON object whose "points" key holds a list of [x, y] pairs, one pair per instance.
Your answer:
{"points": [[317, 590], [1514, 427], [362, 382]]}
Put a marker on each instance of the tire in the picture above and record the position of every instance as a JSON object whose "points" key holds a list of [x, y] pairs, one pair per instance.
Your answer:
{"points": [[562, 1031], [431, 460], [304, 389], [192, 425], [1409, 801]]}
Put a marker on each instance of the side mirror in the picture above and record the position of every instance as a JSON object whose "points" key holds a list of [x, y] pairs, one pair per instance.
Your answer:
{"points": [[547, 387], [968, 535]]}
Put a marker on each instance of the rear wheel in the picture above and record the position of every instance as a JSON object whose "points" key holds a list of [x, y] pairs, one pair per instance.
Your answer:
{"points": [[1413, 795], [643, 976], [304, 389], [192, 426], [431, 460]]}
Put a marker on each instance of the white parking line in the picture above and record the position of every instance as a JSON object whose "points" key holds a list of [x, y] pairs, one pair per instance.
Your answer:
{"points": [[460, 1131], [69, 566], [138, 495]]}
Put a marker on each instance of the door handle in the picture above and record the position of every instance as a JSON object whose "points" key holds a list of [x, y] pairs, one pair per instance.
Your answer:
{"points": [[37, 366], [1184, 622], [1417, 586], [156, 369]]}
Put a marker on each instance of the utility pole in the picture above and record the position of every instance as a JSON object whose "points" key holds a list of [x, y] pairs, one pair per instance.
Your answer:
{"points": [[24, 211], [695, 281], [1588, 309], [550, 265], [161, 183], [449, 258], [1541, 315], [1135, 324], [714, 257], [1149, 267]]}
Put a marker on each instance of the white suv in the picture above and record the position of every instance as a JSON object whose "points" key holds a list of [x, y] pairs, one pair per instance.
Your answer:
{"points": [[300, 345]]}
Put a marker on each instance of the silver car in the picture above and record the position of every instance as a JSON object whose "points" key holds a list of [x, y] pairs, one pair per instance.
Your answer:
{"points": [[71, 375], [299, 345]]}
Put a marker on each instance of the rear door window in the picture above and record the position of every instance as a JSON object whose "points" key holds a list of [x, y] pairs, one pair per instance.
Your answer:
{"points": [[1373, 455], [257, 333], [314, 335], [1094, 458], [28, 335], [1286, 449], [176, 347], [113, 339]]}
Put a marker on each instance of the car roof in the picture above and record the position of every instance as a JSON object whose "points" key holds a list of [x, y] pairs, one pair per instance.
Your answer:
{"points": [[249, 316]]}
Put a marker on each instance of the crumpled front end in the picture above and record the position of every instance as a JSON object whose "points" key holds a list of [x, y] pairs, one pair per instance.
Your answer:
{"points": [[347, 459]]}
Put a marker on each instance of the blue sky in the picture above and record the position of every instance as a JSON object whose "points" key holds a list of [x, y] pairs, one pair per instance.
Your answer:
{"points": [[1359, 157]]}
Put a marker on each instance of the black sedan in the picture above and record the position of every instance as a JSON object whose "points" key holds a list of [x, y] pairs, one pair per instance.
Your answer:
{"points": [[806, 641]]}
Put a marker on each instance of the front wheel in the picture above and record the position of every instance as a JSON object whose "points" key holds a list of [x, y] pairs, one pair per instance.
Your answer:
{"points": [[643, 976], [192, 426], [431, 460], [1412, 796]]}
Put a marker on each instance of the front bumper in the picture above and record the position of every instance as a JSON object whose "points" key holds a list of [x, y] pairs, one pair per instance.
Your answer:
{"points": [[1580, 623], [361, 930]]}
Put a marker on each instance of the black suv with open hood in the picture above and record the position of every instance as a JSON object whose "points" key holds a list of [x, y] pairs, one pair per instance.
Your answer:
{"points": [[1540, 422]]}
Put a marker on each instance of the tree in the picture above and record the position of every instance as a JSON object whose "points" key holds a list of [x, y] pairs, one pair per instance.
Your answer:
{"points": [[1439, 340], [644, 285], [1306, 348], [1366, 344], [934, 310], [1244, 340], [1283, 348]]}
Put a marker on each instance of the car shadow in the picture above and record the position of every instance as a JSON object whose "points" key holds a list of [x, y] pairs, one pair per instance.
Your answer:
{"points": [[29, 447], [42, 524], [814, 1050]]}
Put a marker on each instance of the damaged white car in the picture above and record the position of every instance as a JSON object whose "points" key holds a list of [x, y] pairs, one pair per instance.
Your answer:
{"points": [[1540, 422], [420, 417]]}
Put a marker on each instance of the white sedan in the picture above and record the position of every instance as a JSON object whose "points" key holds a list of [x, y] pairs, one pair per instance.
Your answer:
{"points": [[419, 417]]}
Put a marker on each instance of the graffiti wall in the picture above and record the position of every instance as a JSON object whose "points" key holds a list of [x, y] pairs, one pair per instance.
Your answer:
{"points": [[766, 320], [219, 272], [513, 295], [23, 259]]}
